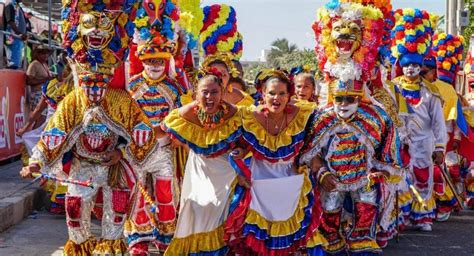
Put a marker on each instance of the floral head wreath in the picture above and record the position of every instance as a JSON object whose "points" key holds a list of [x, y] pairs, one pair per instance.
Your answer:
{"points": [[155, 29], [222, 57], [266, 74], [364, 58], [80, 21], [448, 50], [208, 71], [219, 31]]}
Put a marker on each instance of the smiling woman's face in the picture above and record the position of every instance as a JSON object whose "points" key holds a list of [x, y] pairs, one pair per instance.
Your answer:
{"points": [[276, 95], [209, 94]]}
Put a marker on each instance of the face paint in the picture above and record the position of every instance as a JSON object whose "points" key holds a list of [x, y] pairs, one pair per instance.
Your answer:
{"points": [[154, 69], [345, 111], [412, 70]]}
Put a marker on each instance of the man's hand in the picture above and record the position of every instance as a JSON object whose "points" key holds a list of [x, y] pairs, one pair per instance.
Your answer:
{"points": [[27, 172], [244, 182], [24, 37], [112, 157], [329, 182], [438, 157], [316, 163]]}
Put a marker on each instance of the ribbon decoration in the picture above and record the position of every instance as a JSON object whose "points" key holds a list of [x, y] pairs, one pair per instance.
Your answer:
{"points": [[87, 183]]}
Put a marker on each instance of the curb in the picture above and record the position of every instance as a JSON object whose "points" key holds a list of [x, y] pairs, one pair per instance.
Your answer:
{"points": [[15, 208]]}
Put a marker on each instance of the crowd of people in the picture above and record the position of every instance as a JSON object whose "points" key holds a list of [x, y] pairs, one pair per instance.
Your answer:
{"points": [[191, 161]]}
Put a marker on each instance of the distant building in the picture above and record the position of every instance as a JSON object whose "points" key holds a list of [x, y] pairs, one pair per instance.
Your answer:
{"points": [[264, 55]]}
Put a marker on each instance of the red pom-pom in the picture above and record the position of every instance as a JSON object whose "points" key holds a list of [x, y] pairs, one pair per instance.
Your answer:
{"points": [[399, 35], [412, 47]]}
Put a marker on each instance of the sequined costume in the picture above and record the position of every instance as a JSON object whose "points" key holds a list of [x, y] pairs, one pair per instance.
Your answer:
{"points": [[53, 91], [80, 134], [267, 220], [352, 149], [157, 94], [206, 185], [93, 121]]}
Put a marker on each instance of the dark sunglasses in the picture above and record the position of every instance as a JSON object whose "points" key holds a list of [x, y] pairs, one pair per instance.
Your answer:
{"points": [[348, 99]]}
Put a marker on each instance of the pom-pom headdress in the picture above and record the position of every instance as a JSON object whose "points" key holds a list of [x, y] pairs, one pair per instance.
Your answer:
{"points": [[448, 51], [359, 37], [411, 36], [219, 32], [97, 33], [155, 29]]}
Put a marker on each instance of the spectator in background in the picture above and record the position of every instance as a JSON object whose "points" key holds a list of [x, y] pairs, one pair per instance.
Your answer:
{"points": [[29, 27], [37, 74], [14, 21]]}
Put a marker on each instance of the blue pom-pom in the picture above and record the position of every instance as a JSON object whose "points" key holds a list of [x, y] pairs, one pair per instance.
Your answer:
{"points": [[333, 4], [401, 49], [409, 19]]}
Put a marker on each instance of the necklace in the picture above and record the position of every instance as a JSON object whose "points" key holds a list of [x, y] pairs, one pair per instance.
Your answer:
{"points": [[210, 121], [276, 127]]}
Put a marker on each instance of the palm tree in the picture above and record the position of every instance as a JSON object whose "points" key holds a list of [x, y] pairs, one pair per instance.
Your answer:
{"points": [[280, 48]]}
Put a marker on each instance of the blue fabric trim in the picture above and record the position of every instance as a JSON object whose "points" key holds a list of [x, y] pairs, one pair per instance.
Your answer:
{"points": [[221, 146], [282, 241], [281, 152], [220, 252]]}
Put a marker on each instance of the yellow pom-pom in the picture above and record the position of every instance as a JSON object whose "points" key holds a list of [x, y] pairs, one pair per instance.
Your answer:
{"points": [[441, 53], [421, 48], [441, 36], [409, 12], [446, 65]]}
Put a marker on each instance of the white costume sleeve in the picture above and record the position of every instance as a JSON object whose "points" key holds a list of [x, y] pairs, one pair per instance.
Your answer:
{"points": [[438, 124]]}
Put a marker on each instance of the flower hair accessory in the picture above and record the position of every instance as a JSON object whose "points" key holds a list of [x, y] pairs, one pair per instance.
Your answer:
{"points": [[209, 71], [266, 74], [224, 58]]}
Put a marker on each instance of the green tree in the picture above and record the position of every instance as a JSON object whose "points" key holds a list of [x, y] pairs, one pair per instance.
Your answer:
{"points": [[469, 29], [280, 47], [298, 58]]}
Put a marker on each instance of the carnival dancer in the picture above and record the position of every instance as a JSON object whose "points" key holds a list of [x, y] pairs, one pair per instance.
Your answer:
{"points": [[274, 221], [99, 131], [419, 105], [353, 150], [466, 147], [447, 51], [349, 37], [157, 93], [209, 127]]}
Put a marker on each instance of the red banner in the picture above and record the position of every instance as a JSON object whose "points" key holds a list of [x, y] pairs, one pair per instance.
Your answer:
{"points": [[12, 116]]}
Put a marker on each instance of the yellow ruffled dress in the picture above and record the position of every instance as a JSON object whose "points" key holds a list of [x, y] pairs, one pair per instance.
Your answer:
{"points": [[281, 213], [206, 187]]}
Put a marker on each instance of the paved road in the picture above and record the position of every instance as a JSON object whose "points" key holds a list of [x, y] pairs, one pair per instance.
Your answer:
{"points": [[45, 234]]}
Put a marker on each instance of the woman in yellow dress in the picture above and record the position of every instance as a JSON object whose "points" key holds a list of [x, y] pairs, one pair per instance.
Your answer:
{"points": [[223, 63], [276, 213], [209, 127]]}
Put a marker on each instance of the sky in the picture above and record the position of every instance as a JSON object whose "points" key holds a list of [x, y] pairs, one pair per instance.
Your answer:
{"points": [[263, 21]]}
